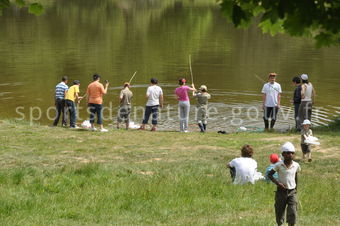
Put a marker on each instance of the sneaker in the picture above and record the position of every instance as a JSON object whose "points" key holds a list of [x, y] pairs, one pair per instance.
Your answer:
{"points": [[93, 129], [74, 127], [153, 129], [141, 128], [103, 130], [186, 131]]}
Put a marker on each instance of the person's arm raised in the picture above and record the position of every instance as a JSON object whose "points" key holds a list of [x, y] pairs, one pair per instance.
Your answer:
{"points": [[106, 86]]}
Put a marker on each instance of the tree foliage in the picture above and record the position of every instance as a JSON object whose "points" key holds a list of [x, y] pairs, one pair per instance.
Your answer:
{"points": [[319, 19], [34, 8]]}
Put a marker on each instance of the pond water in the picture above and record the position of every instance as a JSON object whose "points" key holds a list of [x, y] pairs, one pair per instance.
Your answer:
{"points": [[155, 37]]}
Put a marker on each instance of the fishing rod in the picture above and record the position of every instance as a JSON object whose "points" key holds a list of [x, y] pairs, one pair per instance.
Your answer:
{"points": [[133, 76], [192, 77]]}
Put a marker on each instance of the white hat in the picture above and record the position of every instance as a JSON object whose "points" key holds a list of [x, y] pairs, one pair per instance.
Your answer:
{"points": [[203, 87], [306, 122], [304, 77], [287, 147]]}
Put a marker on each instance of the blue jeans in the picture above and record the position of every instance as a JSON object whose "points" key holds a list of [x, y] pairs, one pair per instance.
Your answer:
{"points": [[96, 108], [71, 107], [148, 111], [60, 107]]}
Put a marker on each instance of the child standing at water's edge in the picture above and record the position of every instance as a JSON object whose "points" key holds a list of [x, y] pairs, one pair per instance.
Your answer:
{"points": [[286, 194], [202, 107]]}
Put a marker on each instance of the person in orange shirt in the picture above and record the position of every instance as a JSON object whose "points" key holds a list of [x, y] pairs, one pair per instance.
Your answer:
{"points": [[95, 92]]}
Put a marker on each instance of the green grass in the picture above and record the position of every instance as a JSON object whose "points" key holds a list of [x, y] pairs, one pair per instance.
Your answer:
{"points": [[56, 176]]}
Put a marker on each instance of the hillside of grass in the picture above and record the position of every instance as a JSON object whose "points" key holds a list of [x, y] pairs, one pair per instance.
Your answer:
{"points": [[58, 176]]}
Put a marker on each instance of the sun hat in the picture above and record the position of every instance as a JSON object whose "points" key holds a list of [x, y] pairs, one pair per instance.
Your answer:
{"points": [[274, 158], [306, 122], [203, 87], [287, 147], [304, 77]]}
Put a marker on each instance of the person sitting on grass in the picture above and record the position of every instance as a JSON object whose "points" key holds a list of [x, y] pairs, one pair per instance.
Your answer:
{"points": [[273, 158], [244, 168], [202, 107], [286, 194], [305, 133]]}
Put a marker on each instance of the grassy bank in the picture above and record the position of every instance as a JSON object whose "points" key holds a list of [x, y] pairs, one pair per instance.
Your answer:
{"points": [[56, 176]]}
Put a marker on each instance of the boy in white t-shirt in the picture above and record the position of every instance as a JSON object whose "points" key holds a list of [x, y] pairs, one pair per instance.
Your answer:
{"points": [[286, 194], [244, 168], [271, 100], [154, 94]]}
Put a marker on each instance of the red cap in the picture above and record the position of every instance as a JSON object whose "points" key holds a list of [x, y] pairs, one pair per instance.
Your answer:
{"points": [[274, 158]]}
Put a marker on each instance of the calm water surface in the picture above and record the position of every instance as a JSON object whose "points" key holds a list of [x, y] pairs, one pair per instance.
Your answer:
{"points": [[115, 38]]}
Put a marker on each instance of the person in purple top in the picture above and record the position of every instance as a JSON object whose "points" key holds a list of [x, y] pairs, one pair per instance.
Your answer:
{"points": [[183, 103]]}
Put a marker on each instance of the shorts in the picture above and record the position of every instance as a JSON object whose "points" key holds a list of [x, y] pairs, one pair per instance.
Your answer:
{"points": [[124, 114], [305, 148]]}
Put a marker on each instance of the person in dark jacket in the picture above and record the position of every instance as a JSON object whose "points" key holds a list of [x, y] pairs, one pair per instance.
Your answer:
{"points": [[296, 100]]}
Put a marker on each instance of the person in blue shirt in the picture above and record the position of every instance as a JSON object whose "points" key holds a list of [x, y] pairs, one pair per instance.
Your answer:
{"points": [[60, 91], [274, 158]]}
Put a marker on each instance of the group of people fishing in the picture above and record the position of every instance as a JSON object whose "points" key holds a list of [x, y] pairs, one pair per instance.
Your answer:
{"points": [[67, 97]]}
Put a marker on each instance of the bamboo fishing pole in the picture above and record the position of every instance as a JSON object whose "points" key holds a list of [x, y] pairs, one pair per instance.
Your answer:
{"points": [[133, 76], [192, 77]]}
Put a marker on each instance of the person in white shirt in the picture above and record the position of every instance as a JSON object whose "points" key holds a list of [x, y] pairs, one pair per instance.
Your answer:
{"points": [[244, 168], [271, 100], [154, 94], [307, 100], [286, 194]]}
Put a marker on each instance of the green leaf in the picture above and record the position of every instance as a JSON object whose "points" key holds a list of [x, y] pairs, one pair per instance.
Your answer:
{"points": [[272, 28], [20, 3], [36, 8]]}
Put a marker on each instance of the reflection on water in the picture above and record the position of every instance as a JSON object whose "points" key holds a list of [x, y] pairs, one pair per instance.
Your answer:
{"points": [[117, 37]]}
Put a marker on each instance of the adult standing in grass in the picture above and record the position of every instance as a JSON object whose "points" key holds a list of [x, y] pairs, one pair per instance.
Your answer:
{"points": [[297, 100], [183, 103], [95, 92], [271, 100], [286, 194], [154, 95], [307, 99], [125, 106], [71, 96], [60, 91]]}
